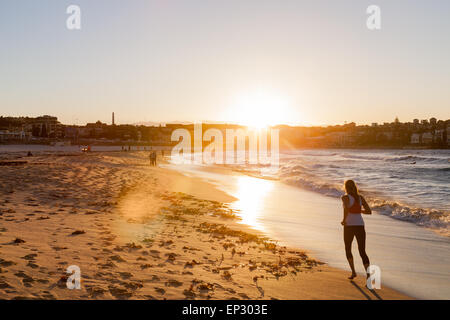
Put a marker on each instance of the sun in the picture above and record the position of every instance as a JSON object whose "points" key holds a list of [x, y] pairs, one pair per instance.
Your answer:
{"points": [[260, 109]]}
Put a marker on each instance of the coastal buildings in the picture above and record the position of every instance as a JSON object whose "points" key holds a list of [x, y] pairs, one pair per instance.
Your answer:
{"points": [[27, 128], [430, 133], [45, 126], [6, 135]]}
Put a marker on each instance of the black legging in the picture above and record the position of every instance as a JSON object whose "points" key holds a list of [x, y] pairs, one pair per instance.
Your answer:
{"points": [[360, 233]]}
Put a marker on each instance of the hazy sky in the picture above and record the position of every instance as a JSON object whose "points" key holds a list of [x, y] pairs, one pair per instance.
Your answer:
{"points": [[310, 62]]}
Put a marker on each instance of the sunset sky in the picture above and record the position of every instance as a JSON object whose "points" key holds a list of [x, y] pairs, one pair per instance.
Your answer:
{"points": [[297, 62]]}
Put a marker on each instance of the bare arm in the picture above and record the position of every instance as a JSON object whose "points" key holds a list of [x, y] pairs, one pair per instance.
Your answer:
{"points": [[366, 207], [345, 202]]}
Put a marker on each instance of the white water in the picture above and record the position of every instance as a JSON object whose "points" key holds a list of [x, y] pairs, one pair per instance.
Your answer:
{"points": [[412, 259]]}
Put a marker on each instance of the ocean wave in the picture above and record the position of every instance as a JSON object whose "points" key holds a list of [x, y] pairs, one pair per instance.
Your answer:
{"points": [[416, 158], [361, 157], [323, 188], [430, 218], [318, 154], [395, 158]]}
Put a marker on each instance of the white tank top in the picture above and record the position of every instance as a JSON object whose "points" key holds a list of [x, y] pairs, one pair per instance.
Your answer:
{"points": [[353, 219]]}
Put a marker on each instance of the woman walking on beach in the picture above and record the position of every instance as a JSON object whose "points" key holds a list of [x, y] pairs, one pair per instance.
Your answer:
{"points": [[354, 205]]}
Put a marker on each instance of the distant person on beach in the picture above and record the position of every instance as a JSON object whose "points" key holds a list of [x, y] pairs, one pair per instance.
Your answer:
{"points": [[153, 158], [354, 205]]}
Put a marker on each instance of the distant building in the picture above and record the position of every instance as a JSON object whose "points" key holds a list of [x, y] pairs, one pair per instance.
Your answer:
{"points": [[415, 138], [84, 132], [71, 132], [338, 138], [6, 135], [44, 126], [427, 138], [385, 136], [439, 135], [448, 136]]}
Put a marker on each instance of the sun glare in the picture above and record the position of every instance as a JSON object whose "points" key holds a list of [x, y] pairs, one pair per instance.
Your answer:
{"points": [[260, 110], [252, 192]]}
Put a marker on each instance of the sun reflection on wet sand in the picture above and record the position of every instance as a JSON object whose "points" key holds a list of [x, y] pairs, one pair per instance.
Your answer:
{"points": [[251, 193]]}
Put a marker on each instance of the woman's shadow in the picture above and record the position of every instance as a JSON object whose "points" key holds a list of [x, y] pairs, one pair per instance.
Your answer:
{"points": [[365, 294]]}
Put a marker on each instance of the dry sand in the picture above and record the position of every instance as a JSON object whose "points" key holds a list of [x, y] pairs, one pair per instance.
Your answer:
{"points": [[140, 232]]}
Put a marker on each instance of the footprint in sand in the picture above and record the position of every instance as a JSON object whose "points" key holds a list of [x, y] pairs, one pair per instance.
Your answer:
{"points": [[125, 275], [59, 248], [154, 279], [47, 295], [26, 279], [32, 265], [171, 257], [6, 263], [146, 266], [4, 285], [108, 264], [119, 293], [154, 253], [189, 294], [132, 285], [117, 258], [173, 283], [160, 290], [77, 232], [95, 291], [18, 241], [30, 256], [43, 281]]}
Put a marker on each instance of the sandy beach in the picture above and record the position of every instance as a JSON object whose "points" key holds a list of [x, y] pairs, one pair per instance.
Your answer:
{"points": [[141, 232]]}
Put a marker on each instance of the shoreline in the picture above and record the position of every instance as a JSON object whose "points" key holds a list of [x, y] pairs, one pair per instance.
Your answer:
{"points": [[305, 219], [145, 233]]}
